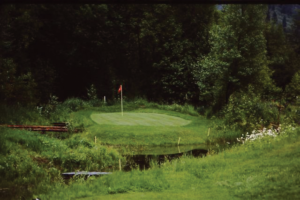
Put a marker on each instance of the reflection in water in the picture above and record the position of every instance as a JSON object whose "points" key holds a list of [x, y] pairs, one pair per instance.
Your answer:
{"points": [[144, 161], [142, 157], [157, 150]]}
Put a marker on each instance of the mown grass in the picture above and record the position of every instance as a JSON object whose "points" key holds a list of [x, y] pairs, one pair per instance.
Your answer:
{"points": [[135, 119], [262, 169], [192, 133]]}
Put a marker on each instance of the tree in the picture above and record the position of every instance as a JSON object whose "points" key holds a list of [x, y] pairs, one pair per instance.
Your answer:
{"points": [[17, 85], [274, 18], [237, 56], [294, 37], [293, 88], [268, 18], [178, 42], [272, 7], [287, 9], [284, 23]]}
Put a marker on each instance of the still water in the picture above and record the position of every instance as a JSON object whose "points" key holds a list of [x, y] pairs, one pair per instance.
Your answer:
{"points": [[143, 156]]}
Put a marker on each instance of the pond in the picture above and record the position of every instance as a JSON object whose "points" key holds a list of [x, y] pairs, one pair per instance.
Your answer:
{"points": [[143, 156]]}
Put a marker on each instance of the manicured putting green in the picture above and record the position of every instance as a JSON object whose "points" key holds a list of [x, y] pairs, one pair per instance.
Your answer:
{"points": [[143, 119]]}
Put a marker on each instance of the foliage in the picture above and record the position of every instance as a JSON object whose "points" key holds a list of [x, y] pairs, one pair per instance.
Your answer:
{"points": [[293, 88], [3, 145], [35, 161], [246, 112], [291, 115], [51, 105], [173, 74], [282, 60], [39, 56], [237, 54], [92, 93], [295, 33], [74, 104], [159, 47], [186, 109], [16, 89]]}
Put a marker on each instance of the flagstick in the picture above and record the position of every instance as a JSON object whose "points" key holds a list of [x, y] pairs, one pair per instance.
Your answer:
{"points": [[121, 100]]}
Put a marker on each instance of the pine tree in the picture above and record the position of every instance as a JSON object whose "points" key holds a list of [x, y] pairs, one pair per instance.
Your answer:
{"points": [[284, 23], [274, 18], [268, 18]]}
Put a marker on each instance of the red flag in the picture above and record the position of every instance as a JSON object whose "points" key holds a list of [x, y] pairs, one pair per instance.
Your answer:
{"points": [[120, 89]]}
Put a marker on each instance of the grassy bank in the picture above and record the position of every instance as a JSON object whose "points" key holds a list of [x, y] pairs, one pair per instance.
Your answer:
{"points": [[31, 162], [262, 169]]}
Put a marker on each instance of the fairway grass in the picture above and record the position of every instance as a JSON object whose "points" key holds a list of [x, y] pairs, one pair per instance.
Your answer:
{"points": [[143, 119], [143, 127]]}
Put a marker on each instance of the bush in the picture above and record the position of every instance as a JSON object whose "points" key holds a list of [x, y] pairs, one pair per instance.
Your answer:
{"points": [[77, 141], [92, 92], [246, 112], [291, 115], [75, 104], [186, 109], [293, 88], [3, 146], [20, 115]]}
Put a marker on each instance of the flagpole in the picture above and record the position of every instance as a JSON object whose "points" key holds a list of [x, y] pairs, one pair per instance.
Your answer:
{"points": [[122, 100]]}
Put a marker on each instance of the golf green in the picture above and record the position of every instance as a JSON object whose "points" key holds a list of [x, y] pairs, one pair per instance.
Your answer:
{"points": [[143, 119]]}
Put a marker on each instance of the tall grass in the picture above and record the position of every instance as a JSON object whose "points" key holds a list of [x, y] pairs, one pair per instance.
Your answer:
{"points": [[33, 161]]}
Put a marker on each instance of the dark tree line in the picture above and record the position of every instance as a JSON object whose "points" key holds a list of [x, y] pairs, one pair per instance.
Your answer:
{"points": [[150, 49]]}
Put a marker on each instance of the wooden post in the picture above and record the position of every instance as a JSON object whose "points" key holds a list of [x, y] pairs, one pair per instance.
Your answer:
{"points": [[104, 100], [95, 139], [120, 167], [208, 132], [178, 141]]}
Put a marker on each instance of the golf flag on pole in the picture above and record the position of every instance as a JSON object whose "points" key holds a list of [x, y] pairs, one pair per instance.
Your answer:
{"points": [[120, 90]]}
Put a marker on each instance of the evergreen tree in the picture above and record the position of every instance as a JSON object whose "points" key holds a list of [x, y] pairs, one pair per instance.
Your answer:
{"points": [[268, 18], [284, 23], [295, 33], [274, 18]]}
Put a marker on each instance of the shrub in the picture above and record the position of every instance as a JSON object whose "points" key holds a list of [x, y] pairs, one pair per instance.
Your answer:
{"points": [[186, 109], [293, 88], [77, 141], [246, 112], [75, 104], [92, 92], [3, 146]]}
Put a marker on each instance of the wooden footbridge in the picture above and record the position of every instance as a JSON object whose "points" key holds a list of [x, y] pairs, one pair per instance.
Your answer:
{"points": [[57, 127]]}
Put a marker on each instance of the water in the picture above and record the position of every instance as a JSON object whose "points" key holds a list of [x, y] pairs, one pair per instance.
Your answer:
{"points": [[143, 156]]}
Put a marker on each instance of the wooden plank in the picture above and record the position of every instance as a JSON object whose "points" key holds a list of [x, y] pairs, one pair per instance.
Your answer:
{"points": [[41, 128]]}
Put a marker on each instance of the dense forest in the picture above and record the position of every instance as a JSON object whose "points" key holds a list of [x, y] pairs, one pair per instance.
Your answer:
{"points": [[174, 53]]}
